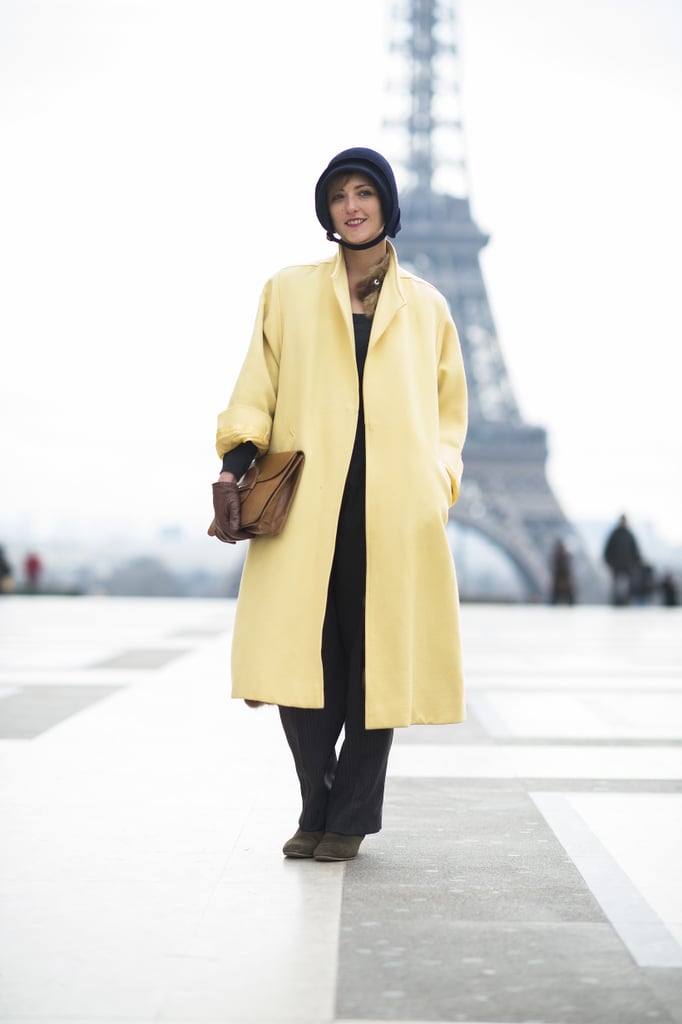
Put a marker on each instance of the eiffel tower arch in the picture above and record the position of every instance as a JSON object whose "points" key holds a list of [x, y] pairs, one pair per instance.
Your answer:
{"points": [[505, 494]]}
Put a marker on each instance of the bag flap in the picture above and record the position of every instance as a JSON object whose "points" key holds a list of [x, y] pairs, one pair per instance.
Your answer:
{"points": [[273, 465]]}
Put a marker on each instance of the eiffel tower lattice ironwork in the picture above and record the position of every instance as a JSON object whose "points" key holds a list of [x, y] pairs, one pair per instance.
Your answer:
{"points": [[505, 494]]}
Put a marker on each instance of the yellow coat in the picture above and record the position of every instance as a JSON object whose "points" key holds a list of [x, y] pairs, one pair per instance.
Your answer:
{"points": [[298, 388]]}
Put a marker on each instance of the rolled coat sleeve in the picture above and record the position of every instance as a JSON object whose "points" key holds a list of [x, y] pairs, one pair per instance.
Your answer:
{"points": [[249, 414]]}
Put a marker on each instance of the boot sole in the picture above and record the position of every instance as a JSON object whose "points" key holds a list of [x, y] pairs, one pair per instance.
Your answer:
{"points": [[333, 860]]}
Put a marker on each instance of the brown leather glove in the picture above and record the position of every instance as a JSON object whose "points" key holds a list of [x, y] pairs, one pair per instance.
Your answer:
{"points": [[227, 508]]}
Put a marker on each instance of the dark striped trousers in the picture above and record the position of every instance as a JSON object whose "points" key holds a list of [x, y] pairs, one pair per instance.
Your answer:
{"points": [[342, 793]]}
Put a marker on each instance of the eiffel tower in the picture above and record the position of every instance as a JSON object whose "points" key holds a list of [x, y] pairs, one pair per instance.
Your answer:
{"points": [[505, 494]]}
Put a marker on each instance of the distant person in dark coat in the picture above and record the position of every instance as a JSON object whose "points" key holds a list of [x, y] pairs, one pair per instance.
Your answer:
{"points": [[622, 556], [6, 577], [563, 591], [668, 588]]}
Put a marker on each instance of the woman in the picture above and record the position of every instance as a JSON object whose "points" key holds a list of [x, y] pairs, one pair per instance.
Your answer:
{"points": [[349, 619]]}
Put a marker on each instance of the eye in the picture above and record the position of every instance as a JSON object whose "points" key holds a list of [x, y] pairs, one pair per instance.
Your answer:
{"points": [[337, 197], [364, 192]]}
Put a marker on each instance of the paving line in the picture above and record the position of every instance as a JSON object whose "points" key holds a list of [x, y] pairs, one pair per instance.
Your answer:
{"points": [[646, 936]]}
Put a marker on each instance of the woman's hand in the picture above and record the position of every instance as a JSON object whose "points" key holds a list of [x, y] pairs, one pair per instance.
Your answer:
{"points": [[227, 507]]}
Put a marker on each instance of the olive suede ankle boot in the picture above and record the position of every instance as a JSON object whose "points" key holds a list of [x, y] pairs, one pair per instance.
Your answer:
{"points": [[302, 844], [335, 846]]}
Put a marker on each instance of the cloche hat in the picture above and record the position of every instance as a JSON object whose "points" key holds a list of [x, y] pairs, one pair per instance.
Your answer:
{"points": [[376, 167]]}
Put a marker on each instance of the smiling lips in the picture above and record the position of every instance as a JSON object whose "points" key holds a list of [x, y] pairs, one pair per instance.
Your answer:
{"points": [[355, 222]]}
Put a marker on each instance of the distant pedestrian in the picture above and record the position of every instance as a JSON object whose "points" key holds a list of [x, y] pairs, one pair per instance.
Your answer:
{"points": [[6, 576], [33, 568], [563, 590], [622, 556], [669, 592]]}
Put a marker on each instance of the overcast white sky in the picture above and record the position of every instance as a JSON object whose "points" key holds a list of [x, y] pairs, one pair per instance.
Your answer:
{"points": [[159, 163]]}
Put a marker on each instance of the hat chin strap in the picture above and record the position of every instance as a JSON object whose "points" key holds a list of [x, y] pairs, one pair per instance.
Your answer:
{"points": [[357, 248]]}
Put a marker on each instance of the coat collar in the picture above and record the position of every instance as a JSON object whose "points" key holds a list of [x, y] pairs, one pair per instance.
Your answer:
{"points": [[390, 300]]}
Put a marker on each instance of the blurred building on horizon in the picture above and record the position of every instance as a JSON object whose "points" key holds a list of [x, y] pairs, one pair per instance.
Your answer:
{"points": [[175, 562]]}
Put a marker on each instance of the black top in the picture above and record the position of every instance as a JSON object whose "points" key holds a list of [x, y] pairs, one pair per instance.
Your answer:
{"points": [[240, 458], [362, 327]]}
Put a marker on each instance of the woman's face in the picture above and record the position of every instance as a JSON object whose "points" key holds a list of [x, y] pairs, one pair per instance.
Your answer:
{"points": [[355, 209]]}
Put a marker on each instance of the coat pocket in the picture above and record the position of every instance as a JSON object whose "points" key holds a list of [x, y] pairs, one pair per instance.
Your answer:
{"points": [[444, 490], [447, 482]]}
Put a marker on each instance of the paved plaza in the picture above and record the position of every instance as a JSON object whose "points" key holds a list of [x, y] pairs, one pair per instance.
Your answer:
{"points": [[529, 870]]}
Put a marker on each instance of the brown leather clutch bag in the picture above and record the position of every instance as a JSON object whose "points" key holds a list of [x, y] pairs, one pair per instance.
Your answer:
{"points": [[266, 491]]}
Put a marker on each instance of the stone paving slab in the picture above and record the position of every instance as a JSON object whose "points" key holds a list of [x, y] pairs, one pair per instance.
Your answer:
{"points": [[472, 910], [27, 711], [141, 876], [489, 971]]}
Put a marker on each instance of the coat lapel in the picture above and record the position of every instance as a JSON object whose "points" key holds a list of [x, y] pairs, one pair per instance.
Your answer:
{"points": [[390, 301], [340, 283]]}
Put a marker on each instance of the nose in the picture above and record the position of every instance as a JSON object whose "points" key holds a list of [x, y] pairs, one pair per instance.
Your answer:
{"points": [[351, 204]]}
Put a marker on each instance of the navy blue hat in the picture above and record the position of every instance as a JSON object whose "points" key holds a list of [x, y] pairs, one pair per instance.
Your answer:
{"points": [[376, 167]]}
